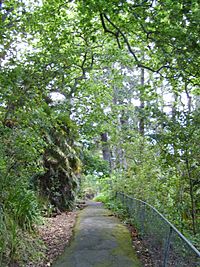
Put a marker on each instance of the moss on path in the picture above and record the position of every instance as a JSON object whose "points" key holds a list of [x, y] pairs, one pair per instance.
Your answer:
{"points": [[100, 240]]}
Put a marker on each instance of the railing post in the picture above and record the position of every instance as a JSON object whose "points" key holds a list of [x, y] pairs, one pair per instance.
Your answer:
{"points": [[167, 247], [143, 218]]}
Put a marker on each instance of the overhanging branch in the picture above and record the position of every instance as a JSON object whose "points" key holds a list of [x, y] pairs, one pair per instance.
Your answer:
{"points": [[106, 30], [84, 70], [119, 33]]}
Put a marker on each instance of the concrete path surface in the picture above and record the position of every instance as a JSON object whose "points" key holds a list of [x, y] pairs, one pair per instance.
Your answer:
{"points": [[100, 240]]}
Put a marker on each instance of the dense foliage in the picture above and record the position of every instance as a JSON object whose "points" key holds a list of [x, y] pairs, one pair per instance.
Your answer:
{"points": [[127, 76]]}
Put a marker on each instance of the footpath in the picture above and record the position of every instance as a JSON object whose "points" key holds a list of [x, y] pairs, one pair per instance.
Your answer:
{"points": [[100, 240]]}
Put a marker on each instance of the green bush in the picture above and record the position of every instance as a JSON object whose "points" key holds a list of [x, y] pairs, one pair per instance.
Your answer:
{"points": [[3, 236], [23, 205], [17, 245], [94, 164], [102, 197]]}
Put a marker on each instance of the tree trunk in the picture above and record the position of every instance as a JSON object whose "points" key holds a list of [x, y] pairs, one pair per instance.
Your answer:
{"points": [[193, 208], [105, 148], [141, 121]]}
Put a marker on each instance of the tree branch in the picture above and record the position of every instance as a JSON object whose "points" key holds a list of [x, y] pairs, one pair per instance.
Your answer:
{"points": [[126, 41], [106, 30], [84, 71]]}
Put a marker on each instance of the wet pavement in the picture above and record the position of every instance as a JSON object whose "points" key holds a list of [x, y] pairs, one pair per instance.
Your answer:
{"points": [[100, 240]]}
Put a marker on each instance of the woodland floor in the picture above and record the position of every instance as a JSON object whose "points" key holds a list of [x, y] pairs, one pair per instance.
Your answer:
{"points": [[56, 234], [141, 250]]}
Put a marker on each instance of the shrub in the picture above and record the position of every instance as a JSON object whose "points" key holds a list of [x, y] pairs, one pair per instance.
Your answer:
{"points": [[23, 205]]}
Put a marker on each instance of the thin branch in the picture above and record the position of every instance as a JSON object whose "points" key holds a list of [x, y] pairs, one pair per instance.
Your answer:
{"points": [[104, 26], [106, 30], [126, 41], [118, 41], [148, 33], [124, 37], [84, 71]]}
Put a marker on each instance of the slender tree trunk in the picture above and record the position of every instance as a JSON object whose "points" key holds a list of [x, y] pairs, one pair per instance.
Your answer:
{"points": [[193, 208], [174, 107], [141, 121], [120, 154], [105, 148], [189, 98]]}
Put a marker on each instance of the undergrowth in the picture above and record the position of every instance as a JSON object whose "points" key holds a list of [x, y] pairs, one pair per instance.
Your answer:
{"points": [[19, 216], [17, 246], [110, 201]]}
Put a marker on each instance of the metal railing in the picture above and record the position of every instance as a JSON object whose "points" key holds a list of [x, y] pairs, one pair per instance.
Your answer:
{"points": [[167, 246]]}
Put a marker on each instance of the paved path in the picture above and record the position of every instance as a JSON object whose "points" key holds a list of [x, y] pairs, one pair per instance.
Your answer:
{"points": [[100, 240]]}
